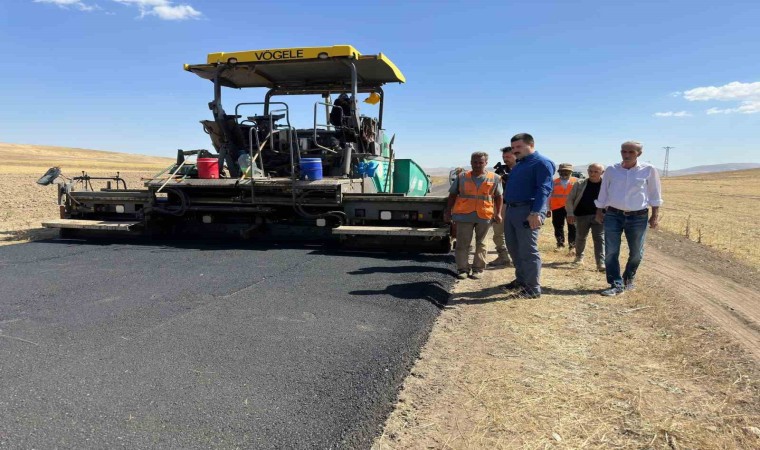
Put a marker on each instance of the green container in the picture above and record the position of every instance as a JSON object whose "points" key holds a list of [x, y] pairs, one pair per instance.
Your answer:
{"points": [[380, 177], [409, 178]]}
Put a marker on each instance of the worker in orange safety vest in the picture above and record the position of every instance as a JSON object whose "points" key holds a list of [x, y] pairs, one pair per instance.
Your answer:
{"points": [[475, 201], [562, 187]]}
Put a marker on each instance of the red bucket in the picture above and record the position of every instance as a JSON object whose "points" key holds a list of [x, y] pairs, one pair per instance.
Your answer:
{"points": [[208, 167]]}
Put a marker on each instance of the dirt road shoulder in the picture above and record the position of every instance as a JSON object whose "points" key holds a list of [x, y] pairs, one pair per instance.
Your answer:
{"points": [[577, 370]]}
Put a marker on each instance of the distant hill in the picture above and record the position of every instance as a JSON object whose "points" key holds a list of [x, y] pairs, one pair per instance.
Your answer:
{"points": [[36, 159], [713, 168], [438, 171]]}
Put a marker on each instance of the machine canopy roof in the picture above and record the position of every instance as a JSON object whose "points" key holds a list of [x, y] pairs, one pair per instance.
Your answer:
{"points": [[302, 68]]}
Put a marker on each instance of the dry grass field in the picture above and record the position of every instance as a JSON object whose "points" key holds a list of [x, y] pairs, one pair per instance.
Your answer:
{"points": [[718, 210], [36, 159], [24, 204], [438, 179], [648, 369]]}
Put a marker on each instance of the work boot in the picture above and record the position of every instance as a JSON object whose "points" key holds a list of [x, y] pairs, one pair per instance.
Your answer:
{"points": [[578, 261], [463, 274], [511, 286], [502, 260], [600, 267], [476, 274]]}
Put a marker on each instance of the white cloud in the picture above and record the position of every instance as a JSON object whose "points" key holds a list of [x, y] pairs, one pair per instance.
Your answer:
{"points": [[67, 3], [673, 114], [747, 107], [179, 12], [676, 94], [747, 94], [712, 111], [731, 91], [163, 9]]}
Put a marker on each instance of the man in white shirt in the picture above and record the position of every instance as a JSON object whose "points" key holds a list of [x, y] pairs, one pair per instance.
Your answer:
{"points": [[628, 189]]}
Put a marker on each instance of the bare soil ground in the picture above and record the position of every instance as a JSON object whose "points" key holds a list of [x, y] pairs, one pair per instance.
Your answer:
{"points": [[25, 204], [659, 367], [728, 291]]}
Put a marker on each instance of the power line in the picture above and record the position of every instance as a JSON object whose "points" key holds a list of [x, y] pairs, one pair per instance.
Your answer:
{"points": [[667, 158]]}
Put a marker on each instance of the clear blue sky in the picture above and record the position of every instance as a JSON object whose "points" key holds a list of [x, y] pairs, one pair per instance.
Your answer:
{"points": [[581, 76]]}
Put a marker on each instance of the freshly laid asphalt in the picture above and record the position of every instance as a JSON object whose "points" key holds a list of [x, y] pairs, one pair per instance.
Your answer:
{"points": [[183, 345]]}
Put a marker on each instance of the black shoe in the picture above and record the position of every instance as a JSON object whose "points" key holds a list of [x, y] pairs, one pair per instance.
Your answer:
{"points": [[512, 285], [526, 293], [613, 291]]}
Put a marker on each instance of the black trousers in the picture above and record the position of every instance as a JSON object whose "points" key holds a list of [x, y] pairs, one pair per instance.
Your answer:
{"points": [[559, 217]]}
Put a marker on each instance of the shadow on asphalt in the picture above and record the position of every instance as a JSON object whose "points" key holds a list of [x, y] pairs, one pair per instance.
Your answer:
{"points": [[432, 291], [314, 248], [191, 244]]}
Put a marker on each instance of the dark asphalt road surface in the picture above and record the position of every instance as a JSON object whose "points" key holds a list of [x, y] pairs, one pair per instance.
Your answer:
{"points": [[182, 345]]}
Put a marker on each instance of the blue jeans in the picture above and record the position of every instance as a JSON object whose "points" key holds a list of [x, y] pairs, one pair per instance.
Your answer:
{"points": [[635, 229], [522, 245]]}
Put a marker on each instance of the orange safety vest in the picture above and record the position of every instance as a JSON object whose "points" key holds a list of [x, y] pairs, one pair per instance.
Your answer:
{"points": [[473, 199], [559, 194]]}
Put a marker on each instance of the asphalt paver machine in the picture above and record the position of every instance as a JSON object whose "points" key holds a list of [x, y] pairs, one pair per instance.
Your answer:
{"points": [[339, 178]]}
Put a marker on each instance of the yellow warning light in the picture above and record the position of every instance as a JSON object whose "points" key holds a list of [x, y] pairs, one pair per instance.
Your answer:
{"points": [[372, 99]]}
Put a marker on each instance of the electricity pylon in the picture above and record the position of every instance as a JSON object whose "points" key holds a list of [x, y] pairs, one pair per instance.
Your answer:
{"points": [[667, 157]]}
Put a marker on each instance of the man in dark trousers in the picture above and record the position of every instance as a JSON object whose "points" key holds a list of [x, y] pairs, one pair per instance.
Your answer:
{"points": [[528, 187], [562, 187], [581, 212], [503, 170]]}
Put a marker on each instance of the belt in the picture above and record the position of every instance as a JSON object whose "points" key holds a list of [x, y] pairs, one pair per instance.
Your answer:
{"points": [[516, 204], [640, 212]]}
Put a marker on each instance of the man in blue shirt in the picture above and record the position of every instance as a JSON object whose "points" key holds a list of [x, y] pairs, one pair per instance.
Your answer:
{"points": [[528, 187]]}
